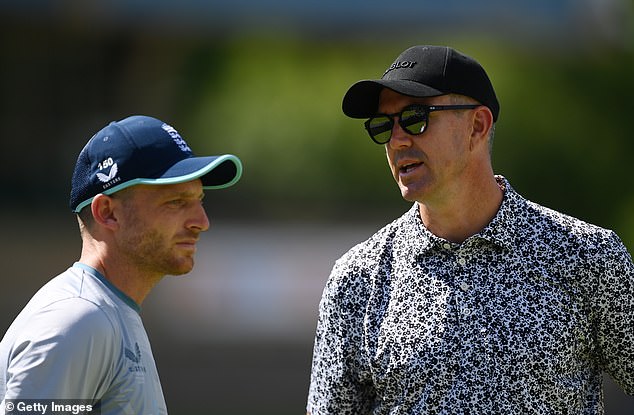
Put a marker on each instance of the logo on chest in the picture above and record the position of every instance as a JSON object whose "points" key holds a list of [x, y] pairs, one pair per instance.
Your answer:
{"points": [[134, 359]]}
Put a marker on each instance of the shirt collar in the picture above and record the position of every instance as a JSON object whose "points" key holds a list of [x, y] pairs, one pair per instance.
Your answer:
{"points": [[415, 237], [503, 228], [98, 275], [501, 231]]}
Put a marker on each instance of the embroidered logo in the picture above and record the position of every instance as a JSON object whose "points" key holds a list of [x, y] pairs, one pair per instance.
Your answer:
{"points": [[180, 142], [399, 65], [105, 178], [135, 358]]}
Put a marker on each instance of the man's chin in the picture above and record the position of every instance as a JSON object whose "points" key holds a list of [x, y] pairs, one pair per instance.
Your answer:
{"points": [[416, 191], [182, 269], [408, 194]]}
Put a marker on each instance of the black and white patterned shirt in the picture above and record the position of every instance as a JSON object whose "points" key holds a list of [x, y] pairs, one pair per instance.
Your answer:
{"points": [[521, 318]]}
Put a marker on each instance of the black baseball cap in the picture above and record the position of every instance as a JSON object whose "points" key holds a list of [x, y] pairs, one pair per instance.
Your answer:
{"points": [[144, 150], [424, 71]]}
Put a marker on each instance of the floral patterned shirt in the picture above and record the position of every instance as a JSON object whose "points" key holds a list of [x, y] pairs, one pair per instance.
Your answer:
{"points": [[521, 318]]}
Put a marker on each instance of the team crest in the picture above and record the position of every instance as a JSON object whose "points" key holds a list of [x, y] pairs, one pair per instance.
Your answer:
{"points": [[105, 178]]}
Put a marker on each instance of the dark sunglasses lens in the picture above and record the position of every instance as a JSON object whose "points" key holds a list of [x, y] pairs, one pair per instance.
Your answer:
{"points": [[413, 121], [380, 129]]}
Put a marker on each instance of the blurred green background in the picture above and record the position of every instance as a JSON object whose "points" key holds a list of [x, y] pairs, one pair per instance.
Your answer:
{"points": [[265, 82]]}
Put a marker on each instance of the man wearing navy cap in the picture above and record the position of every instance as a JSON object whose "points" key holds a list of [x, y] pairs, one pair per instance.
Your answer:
{"points": [[475, 301], [137, 190]]}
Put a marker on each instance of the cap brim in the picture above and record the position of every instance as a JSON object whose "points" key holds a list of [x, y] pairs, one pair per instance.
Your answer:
{"points": [[215, 172], [362, 98]]}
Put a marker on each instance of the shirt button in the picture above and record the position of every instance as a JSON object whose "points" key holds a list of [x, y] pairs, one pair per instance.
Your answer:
{"points": [[462, 261], [446, 245], [464, 286], [466, 311]]}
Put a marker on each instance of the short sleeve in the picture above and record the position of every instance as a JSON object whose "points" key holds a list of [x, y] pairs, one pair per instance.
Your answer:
{"points": [[340, 376], [613, 307], [66, 352]]}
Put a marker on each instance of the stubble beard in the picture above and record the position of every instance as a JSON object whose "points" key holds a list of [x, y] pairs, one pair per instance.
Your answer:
{"points": [[149, 251]]}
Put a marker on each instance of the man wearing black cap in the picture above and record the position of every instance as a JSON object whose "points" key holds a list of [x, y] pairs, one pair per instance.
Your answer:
{"points": [[137, 191], [476, 300]]}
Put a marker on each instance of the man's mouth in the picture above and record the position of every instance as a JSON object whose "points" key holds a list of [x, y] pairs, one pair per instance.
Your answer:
{"points": [[187, 243], [406, 168]]}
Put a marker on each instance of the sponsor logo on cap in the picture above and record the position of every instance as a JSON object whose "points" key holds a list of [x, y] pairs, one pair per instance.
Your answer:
{"points": [[400, 65], [176, 137], [109, 178]]}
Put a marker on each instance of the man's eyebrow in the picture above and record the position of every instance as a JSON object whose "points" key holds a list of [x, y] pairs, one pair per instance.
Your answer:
{"points": [[186, 194]]}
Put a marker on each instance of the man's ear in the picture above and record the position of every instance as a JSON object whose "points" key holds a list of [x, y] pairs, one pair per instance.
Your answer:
{"points": [[103, 211], [481, 126]]}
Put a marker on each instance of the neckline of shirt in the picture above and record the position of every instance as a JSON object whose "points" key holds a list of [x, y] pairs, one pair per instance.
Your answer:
{"points": [[500, 231], [98, 275]]}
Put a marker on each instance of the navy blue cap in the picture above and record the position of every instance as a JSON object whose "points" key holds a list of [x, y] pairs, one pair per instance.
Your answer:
{"points": [[144, 150], [424, 71]]}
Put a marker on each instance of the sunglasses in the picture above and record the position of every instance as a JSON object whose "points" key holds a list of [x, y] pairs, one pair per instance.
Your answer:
{"points": [[413, 119]]}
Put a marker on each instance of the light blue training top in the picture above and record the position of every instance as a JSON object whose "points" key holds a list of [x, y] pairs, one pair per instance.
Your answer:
{"points": [[80, 337]]}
